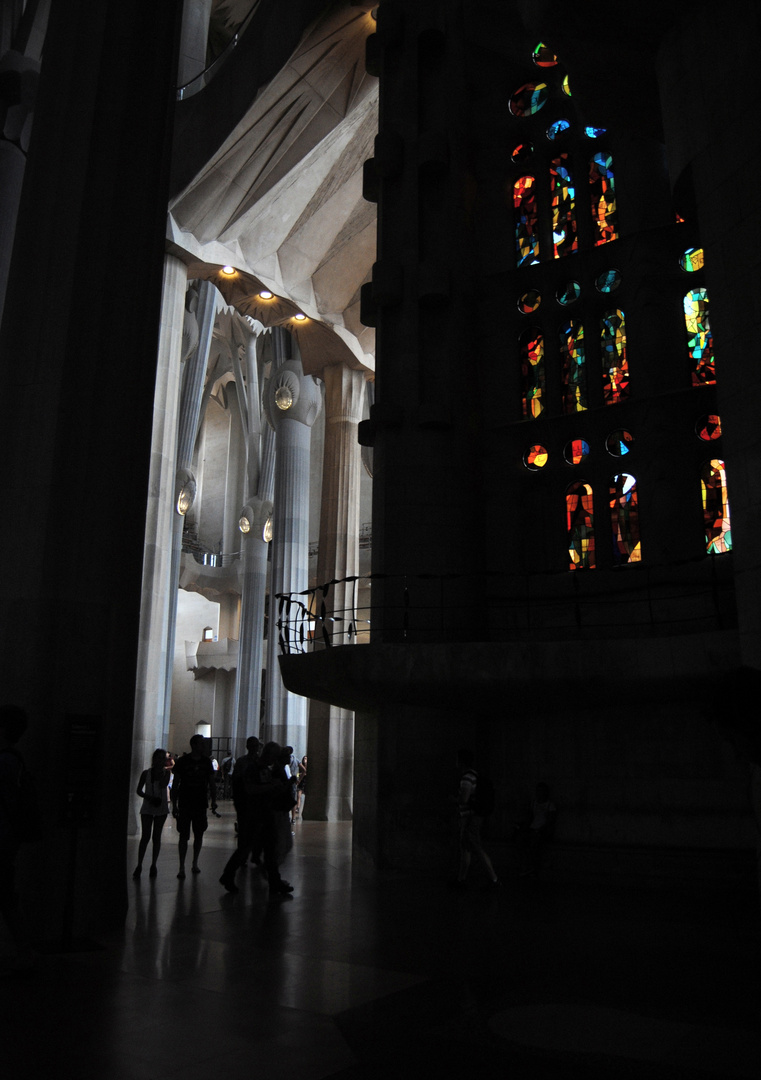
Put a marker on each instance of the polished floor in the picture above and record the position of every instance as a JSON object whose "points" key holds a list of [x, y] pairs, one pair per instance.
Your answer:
{"points": [[399, 978]]}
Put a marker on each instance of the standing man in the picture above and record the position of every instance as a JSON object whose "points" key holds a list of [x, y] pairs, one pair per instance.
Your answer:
{"points": [[471, 810], [193, 786]]}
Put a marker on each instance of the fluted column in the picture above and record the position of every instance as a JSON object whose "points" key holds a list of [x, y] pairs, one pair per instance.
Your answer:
{"points": [[157, 559], [292, 402], [331, 729], [254, 550]]}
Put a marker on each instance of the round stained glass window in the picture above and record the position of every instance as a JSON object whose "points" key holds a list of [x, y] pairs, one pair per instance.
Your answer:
{"points": [[568, 293], [556, 129], [576, 451], [619, 443], [529, 302], [608, 281], [566, 87], [691, 260], [529, 99], [535, 458], [543, 56], [708, 427], [522, 152]]}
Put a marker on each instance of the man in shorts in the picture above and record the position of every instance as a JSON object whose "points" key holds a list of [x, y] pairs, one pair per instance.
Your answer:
{"points": [[192, 788]]}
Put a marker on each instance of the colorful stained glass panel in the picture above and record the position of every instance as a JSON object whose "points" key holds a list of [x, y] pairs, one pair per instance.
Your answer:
{"points": [[557, 129], [535, 458], [602, 190], [573, 368], [618, 443], [699, 338], [529, 99], [579, 506], [575, 451], [693, 259], [708, 428], [532, 373], [563, 196], [718, 531], [529, 302], [543, 56], [624, 519], [526, 229], [568, 293], [521, 153], [615, 364], [608, 281]]}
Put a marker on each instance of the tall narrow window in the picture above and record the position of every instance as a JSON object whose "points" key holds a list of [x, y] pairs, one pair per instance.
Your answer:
{"points": [[699, 338], [580, 526], [563, 195], [532, 373], [526, 231], [718, 532], [602, 190], [624, 519], [615, 366], [573, 366]]}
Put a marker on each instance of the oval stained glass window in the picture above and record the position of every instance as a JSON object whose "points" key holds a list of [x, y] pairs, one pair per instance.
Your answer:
{"points": [[619, 443], [708, 427], [529, 99], [594, 132], [543, 56], [691, 260], [529, 302], [556, 129], [568, 293], [608, 281], [535, 458], [575, 451], [522, 152]]}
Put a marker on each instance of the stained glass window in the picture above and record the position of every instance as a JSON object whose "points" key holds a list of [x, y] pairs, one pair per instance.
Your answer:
{"points": [[618, 443], [563, 196], [708, 427], [700, 340], [529, 99], [566, 87], [615, 365], [718, 532], [532, 372], [624, 519], [573, 369], [602, 189], [576, 451], [535, 458], [608, 281], [556, 129], [580, 530], [594, 132], [521, 152], [529, 302], [543, 56], [568, 293], [692, 260], [526, 231]]}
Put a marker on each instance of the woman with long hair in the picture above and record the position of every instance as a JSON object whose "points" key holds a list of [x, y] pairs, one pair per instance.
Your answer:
{"points": [[153, 789]]}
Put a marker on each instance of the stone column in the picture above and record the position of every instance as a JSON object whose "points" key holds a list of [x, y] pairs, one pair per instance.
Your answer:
{"points": [[194, 37], [331, 729], [157, 589], [254, 549], [292, 402], [190, 407]]}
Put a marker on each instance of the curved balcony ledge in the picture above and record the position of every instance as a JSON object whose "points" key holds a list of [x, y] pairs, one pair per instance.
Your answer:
{"points": [[551, 676]]}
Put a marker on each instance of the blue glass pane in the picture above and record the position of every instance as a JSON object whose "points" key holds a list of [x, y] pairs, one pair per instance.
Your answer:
{"points": [[594, 132], [557, 128], [569, 293], [608, 281]]}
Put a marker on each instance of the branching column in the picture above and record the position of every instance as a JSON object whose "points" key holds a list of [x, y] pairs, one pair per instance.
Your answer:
{"points": [[331, 729]]}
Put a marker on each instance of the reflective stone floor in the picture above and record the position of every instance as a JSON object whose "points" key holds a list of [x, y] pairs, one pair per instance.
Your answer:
{"points": [[401, 978]]}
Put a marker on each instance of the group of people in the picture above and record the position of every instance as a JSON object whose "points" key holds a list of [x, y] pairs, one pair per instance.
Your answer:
{"points": [[268, 785]]}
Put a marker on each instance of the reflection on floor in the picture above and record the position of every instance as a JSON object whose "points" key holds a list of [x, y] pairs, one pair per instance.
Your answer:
{"points": [[398, 979]]}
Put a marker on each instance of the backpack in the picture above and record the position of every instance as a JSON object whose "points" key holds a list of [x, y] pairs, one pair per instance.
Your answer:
{"points": [[483, 799], [21, 804]]}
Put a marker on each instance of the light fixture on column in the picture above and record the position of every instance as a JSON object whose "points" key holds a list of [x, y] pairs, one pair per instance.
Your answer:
{"points": [[246, 520], [284, 397], [184, 491], [267, 530]]}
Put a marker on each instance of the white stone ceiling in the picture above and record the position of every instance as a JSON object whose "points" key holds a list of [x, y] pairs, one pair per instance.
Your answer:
{"points": [[281, 201]]}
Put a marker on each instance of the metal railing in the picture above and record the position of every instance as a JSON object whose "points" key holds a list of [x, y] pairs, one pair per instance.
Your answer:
{"points": [[502, 607]]}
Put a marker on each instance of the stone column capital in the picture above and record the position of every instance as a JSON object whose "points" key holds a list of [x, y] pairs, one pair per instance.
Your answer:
{"points": [[289, 394]]}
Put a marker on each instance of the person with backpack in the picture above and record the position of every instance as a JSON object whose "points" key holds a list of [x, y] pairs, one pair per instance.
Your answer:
{"points": [[19, 823], [475, 801]]}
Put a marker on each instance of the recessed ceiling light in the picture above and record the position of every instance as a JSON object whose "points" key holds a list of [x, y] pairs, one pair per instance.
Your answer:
{"points": [[300, 317], [265, 294], [228, 271]]}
